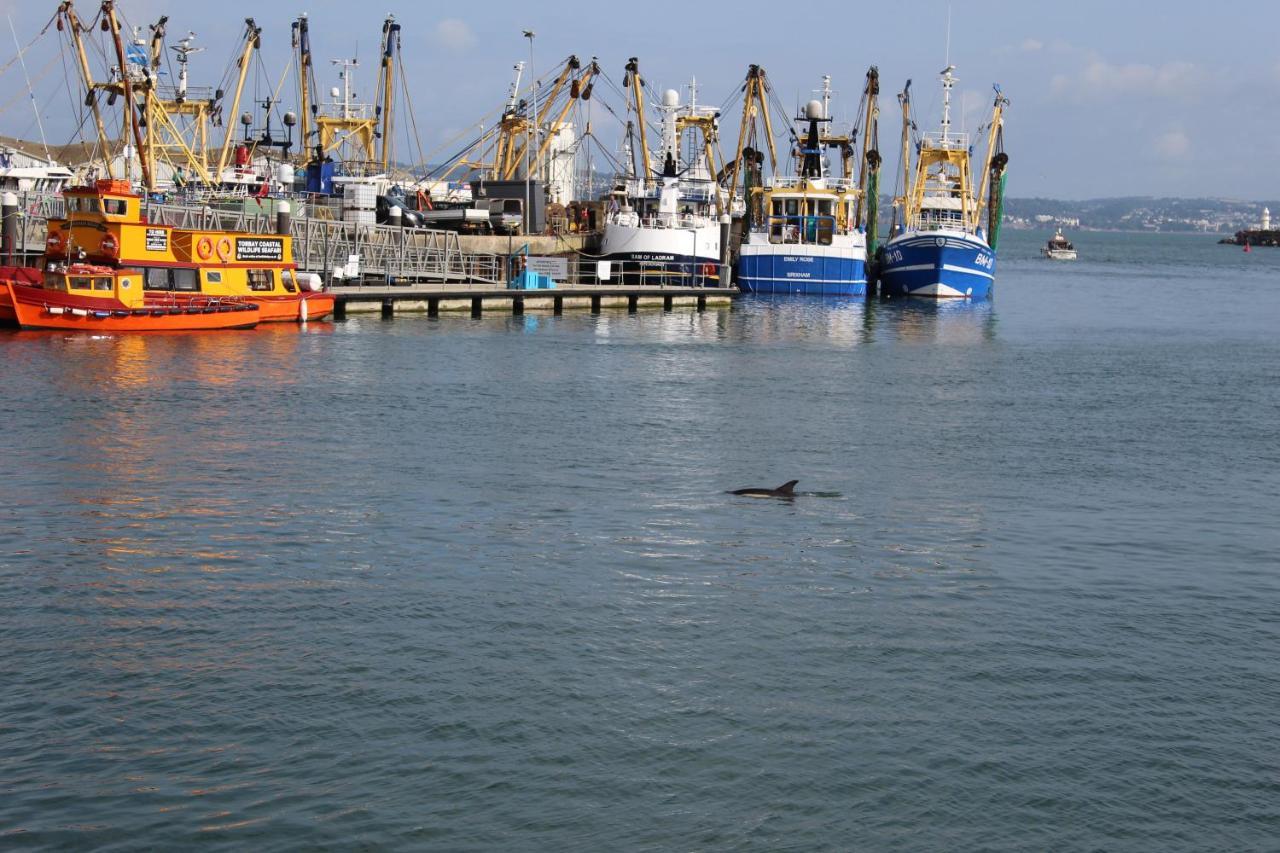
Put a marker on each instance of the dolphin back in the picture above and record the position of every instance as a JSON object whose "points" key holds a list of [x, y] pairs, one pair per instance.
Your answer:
{"points": [[787, 488]]}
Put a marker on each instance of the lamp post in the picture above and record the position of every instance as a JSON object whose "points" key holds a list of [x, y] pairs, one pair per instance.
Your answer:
{"points": [[530, 140]]}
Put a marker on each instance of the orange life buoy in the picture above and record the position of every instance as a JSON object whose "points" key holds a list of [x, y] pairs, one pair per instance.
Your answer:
{"points": [[54, 242], [109, 246], [204, 248], [224, 249]]}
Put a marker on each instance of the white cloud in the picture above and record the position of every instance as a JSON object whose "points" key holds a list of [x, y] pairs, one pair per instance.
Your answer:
{"points": [[1031, 45], [454, 35], [1098, 78], [1174, 145]]}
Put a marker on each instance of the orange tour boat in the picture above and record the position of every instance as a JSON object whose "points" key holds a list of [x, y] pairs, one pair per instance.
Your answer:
{"points": [[104, 225], [88, 298]]}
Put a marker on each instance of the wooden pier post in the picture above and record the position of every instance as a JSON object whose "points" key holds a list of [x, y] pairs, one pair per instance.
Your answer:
{"points": [[477, 306], [666, 302], [595, 303], [702, 302], [557, 305], [433, 307], [388, 309], [633, 302], [517, 306]]}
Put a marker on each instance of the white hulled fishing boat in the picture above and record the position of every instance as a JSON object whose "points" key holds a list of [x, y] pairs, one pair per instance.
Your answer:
{"points": [[666, 228]]}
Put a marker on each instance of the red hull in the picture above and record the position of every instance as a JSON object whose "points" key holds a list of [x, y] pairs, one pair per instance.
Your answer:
{"points": [[37, 308]]}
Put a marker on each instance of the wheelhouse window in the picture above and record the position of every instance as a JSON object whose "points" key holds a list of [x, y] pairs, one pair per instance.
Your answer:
{"points": [[156, 278], [102, 282], [213, 276], [187, 280], [81, 282], [262, 281], [114, 206]]}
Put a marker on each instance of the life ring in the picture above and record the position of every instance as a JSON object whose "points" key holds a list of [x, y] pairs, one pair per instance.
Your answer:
{"points": [[54, 242], [109, 246], [204, 248], [224, 250]]}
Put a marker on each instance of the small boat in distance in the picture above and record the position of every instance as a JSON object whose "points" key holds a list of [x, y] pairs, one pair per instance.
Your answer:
{"points": [[1059, 248]]}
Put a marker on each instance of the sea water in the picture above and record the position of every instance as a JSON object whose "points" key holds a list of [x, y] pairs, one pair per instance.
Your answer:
{"points": [[477, 584]]}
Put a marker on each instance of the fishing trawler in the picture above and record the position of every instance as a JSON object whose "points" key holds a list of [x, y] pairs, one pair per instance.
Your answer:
{"points": [[1059, 248], [938, 246], [668, 231], [805, 238], [104, 225]]}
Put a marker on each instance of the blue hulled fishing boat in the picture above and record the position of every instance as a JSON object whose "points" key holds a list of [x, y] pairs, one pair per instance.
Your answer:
{"points": [[805, 237], [943, 241]]}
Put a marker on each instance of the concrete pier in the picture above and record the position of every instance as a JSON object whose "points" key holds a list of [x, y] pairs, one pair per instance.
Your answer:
{"points": [[478, 300]]}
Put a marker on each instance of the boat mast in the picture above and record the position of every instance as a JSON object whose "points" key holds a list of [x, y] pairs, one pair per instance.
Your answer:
{"points": [[253, 34], [67, 18], [948, 82], [113, 25], [754, 104], [869, 175], [992, 191], [900, 203], [302, 47], [391, 45], [633, 79]]}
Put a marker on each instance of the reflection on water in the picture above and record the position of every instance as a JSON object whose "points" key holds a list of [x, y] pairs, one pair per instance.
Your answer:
{"points": [[934, 321]]}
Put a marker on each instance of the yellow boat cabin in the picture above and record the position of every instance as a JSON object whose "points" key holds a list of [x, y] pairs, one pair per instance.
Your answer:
{"points": [[104, 225]]}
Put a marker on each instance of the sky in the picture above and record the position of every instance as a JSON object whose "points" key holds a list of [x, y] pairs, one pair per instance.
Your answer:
{"points": [[1107, 98]]}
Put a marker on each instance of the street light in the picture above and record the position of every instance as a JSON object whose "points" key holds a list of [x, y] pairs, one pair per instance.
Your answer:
{"points": [[528, 210]]}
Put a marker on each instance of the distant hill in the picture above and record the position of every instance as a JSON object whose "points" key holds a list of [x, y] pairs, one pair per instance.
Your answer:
{"points": [[1139, 213]]}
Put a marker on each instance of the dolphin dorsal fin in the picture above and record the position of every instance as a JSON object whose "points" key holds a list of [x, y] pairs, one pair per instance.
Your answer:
{"points": [[788, 487]]}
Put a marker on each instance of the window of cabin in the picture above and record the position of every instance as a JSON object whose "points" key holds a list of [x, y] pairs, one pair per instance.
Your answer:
{"points": [[793, 207], [89, 205], [187, 280], [157, 278], [213, 277], [262, 280], [102, 283], [824, 207], [777, 208], [81, 283], [114, 206]]}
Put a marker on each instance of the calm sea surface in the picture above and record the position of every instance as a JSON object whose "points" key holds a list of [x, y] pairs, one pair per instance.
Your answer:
{"points": [[476, 584]]}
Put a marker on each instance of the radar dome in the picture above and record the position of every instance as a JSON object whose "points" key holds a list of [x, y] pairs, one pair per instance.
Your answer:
{"points": [[813, 110], [671, 98]]}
